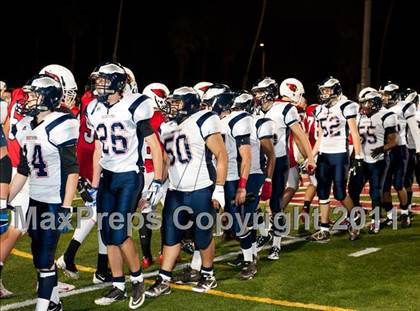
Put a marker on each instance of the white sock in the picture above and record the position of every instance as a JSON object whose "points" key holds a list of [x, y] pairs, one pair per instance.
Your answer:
{"points": [[389, 214], [3, 204], [263, 229], [409, 207], [165, 277], [254, 249], [82, 232], [247, 254], [119, 285], [54, 295], [325, 228], [136, 278], [101, 248], [196, 261], [42, 304], [404, 212], [277, 241]]}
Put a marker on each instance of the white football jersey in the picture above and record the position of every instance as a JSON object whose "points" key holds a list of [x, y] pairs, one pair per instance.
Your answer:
{"points": [[262, 128], [404, 110], [372, 132], [284, 116], [410, 140], [191, 167], [236, 125], [333, 122], [40, 145], [116, 129]]}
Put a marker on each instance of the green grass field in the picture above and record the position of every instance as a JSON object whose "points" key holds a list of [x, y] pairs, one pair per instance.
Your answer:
{"points": [[317, 276]]}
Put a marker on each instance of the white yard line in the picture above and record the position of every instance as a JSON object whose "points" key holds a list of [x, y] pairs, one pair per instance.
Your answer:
{"points": [[365, 251]]}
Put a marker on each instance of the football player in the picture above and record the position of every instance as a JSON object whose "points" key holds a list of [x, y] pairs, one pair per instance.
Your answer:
{"points": [[262, 148], [121, 122], [236, 131], [158, 92], [411, 96], [85, 149], [335, 115], [405, 112], [378, 133], [286, 119], [48, 158], [190, 139]]}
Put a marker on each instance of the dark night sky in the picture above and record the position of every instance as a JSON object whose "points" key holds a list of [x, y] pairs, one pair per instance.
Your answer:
{"points": [[183, 42]]}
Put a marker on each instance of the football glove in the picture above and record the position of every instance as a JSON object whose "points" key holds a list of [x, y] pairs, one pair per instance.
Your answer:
{"points": [[64, 219], [377, 152], [356, 165], [154, 194], [92, 192], [83, 186], [219, 195], [266, 190]]}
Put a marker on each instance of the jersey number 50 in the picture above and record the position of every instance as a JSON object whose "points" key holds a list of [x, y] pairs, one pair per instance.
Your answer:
{"points": [[178, 146]]}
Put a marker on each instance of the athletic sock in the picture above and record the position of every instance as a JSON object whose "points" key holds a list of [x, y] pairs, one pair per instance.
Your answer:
{"points": [[207, 270], [119, 282], [136, 276], [325, 227], [47, 280], [102, 264], [196, 261], [165, 275], [71, 251], [248, 255], [307, 205], [277, 241]]}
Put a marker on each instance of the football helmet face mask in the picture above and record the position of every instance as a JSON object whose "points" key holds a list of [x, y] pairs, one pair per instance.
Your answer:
{"points": [[370, 104], [41, 93], [158, 92], [265, 92], [244, 101], [182, 103], [219, 97], [109, 79], [68, 83], [390, 94], [329, 91], [293, 89]]}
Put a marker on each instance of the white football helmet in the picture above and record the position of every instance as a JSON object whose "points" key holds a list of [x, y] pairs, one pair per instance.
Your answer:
{"points": [[131, 82], [293, 89], [201, 87], [158, 92], [365, 91], [68, 83]]}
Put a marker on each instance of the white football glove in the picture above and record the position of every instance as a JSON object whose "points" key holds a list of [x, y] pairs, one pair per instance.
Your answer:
{"points": [[154, 194], [219, 195], [92, 193]]}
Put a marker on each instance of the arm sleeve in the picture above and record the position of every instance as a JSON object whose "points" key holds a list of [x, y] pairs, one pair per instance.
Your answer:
{"points": [[23, 167], [409, 111], [3, 111], [145, 128], [350, 109], [64, 131], [141, 109], [265, 128], [291, 115], [69, 160], [209, 124]]}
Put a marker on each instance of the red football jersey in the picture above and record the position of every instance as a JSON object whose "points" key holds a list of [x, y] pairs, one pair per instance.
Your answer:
{"points": [[13, 147], [157, 119], [85, 143], [310, 124]]}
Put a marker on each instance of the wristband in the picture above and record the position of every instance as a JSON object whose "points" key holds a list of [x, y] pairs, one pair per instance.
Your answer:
{"points": [[242, 183]]}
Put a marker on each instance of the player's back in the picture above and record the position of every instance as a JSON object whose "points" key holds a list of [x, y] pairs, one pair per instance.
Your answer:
{"points": [[404, 110], [191, 166]]}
